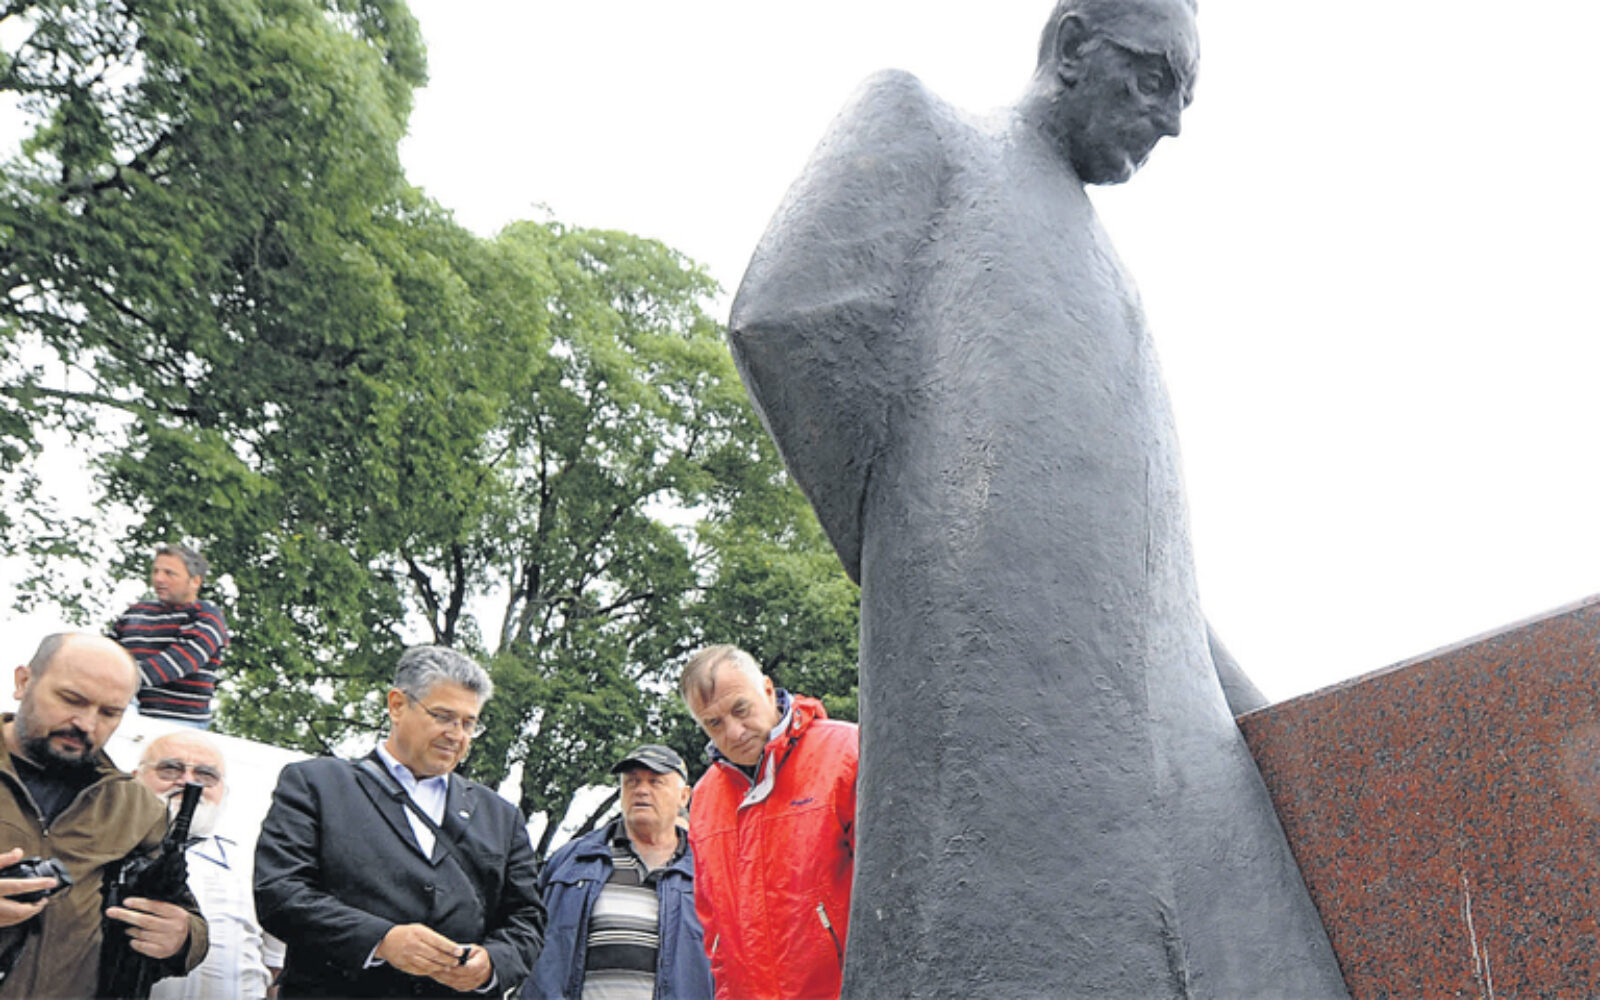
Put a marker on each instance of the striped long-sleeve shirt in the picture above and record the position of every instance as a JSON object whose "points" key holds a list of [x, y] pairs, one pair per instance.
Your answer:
{"points": [[179, 650]]}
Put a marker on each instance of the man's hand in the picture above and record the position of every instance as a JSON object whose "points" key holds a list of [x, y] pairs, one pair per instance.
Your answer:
{"points": [[418, 950], [157, 929], [469, 976], [11, 911]]}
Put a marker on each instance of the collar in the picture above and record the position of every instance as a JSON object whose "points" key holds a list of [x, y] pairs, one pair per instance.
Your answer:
{"points": [[616, 835], [214, 849], [410, 782]]}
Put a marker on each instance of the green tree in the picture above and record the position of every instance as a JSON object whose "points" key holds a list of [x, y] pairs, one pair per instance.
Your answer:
{"points": [[194, 196], [630, 459], [383, 428]]}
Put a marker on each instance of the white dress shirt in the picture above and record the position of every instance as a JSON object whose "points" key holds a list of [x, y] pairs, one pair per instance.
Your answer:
{"points": [[429, 794], [236, 966]]}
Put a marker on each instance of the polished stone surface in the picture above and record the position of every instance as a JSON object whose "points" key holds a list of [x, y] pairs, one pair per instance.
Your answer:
{"points": [[1445, 813]]}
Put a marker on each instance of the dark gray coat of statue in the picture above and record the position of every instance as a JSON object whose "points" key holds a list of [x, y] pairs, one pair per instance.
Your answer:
{"points": [[1054, 799]]}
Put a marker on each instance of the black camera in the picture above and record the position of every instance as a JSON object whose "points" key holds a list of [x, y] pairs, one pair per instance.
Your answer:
{"points": [[38, 868]]}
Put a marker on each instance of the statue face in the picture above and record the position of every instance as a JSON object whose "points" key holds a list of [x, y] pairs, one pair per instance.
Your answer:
{"points": [[1121, 103]]}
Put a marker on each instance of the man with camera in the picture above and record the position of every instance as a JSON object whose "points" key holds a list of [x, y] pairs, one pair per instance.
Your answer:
{"points": [[65, 802], [391, 875]]}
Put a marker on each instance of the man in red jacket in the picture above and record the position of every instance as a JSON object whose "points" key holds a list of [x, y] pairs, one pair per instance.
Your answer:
{"points": [[772, 826]]}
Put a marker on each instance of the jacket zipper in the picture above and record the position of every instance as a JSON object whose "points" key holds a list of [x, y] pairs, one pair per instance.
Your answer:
{"points": [[822, 914]]}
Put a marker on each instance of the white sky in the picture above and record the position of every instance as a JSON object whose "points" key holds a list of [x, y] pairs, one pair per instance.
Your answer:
{"points": [[1368, 260]]}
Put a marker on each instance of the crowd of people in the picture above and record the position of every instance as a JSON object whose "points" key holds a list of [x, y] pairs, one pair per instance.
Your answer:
{"points": [[392, 875]]}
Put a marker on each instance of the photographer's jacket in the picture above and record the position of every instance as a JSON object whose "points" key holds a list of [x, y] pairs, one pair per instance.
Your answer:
{"points": [[337, 866], [108, 820]]}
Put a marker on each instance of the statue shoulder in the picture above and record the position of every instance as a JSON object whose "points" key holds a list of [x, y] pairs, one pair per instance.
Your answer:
{"points": [[816, 326], [862, 203], [898, 95]]}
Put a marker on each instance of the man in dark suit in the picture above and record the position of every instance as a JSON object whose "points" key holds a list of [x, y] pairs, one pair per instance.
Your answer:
{"points": [[389, 876]]}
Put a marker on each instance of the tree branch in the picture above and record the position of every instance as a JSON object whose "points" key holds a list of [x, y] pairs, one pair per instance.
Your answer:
{"points": [[430, 600]]}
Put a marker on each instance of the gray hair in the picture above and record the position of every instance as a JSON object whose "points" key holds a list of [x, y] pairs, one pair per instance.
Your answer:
{"points": [[700, 673], [421, 667], [193, 561]]}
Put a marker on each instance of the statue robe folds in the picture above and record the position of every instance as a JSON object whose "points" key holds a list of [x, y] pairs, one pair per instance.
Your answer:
{"points": [[1054, 798]]}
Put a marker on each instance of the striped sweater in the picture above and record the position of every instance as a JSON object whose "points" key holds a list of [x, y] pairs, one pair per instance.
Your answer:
{"points": [[179, 650]]}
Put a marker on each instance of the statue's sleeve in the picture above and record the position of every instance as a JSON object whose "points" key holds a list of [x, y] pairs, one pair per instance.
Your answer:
{"points": [[816, 329]]}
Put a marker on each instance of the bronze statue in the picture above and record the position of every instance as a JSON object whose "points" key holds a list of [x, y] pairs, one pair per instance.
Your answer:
{"points": [[1054, 798]]}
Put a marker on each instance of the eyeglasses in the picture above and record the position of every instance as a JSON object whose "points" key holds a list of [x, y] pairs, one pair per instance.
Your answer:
{"points": [[173, 769], [470, 725]]}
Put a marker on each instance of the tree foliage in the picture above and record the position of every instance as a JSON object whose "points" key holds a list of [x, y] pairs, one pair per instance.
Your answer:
{"points": [[382, 427]]}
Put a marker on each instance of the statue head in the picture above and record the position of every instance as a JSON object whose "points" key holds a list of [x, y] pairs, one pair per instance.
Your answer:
{"points": [[1113, 79]]}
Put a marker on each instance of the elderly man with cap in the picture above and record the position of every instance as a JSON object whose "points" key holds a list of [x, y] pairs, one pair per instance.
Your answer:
{"points": [[621, 899]]}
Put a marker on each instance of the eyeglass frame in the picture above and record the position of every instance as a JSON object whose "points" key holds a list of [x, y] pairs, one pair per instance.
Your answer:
{"points": [[205, 775], [449, 719]]}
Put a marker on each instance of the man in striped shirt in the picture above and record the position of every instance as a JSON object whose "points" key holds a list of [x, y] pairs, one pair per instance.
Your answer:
{"points": [[177, 639], [620, 899]]}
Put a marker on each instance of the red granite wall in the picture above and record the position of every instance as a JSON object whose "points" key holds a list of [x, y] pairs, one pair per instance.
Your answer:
{"points": [[1446, 813]]}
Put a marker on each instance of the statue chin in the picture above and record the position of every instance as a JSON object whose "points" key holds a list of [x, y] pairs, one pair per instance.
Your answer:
{"points": [[1108, 166]]}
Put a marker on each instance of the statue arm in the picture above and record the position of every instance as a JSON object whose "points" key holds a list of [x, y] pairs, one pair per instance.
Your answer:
{"points": [[816, 328]]}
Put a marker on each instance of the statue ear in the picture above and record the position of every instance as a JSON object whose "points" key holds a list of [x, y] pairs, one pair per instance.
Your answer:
{"points": [[1071, 36]]}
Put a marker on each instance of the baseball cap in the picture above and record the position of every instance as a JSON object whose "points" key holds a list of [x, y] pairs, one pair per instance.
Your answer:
{"points": [[656, 757]]}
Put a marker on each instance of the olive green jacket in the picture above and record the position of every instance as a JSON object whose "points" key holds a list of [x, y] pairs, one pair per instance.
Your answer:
{"points": [[110, 819]]}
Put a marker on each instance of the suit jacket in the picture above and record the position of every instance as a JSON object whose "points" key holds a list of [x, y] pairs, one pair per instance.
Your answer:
{"points": [[337, 866]]}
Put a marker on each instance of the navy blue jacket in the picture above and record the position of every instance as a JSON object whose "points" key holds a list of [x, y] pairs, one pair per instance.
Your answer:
{"points": [[571, 883]]}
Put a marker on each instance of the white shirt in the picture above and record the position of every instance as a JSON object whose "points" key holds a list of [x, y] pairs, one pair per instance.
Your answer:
{"points": [[428, 793], [236, 966]]}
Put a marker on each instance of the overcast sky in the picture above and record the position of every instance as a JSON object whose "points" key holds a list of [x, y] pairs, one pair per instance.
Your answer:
{"points": [[1368, 261]]}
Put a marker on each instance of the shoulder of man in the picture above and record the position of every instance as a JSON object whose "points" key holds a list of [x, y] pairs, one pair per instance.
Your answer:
{"points": [[319, 770], [589, 843], [833, 737], [489, 805]]}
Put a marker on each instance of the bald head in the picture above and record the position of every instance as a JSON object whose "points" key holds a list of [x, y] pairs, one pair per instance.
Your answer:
{"points": [[85, 650], [171, 761], [70, 699], [1158, 27], [191, 745]]}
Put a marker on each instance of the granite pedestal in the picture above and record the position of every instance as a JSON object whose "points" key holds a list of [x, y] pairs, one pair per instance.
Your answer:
{"points": [[1446, 813]]}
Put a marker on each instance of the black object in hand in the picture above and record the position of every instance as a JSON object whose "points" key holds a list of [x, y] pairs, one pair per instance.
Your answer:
{"points": [[38, 868], [124, 973]]}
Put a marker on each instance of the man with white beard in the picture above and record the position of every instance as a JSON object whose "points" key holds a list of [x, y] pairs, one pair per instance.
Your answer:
{"points": [[244, 959]]}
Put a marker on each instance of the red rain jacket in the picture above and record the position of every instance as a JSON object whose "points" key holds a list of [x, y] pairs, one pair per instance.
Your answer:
{"points": [[773, 861]]}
